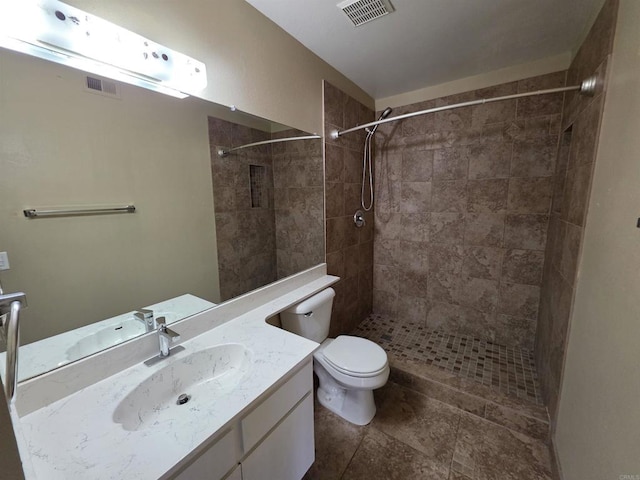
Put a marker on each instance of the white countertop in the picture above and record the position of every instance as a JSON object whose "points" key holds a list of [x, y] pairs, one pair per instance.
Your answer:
{"points": [[76, 438]]}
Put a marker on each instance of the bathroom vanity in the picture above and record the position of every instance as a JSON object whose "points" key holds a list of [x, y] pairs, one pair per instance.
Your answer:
{"points": [[249, 400], [274, 440]]}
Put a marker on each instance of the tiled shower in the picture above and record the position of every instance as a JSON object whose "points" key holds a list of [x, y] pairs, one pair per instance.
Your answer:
{"points": [[268, 206], [463, 198], [477, 229]]}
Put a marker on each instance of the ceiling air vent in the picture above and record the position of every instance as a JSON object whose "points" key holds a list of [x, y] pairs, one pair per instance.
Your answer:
{"points": [[103, 87], [363, 11]]}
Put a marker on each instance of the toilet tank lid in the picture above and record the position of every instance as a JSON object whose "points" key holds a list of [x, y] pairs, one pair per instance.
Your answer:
{"points": [[311, 303]]}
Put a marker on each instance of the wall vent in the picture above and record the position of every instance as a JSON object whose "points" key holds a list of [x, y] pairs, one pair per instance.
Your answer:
{"points": [[364, 11], [102, 87]]}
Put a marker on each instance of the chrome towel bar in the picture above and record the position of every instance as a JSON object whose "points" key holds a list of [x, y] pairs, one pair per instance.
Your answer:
{"points": [[33, 213]]}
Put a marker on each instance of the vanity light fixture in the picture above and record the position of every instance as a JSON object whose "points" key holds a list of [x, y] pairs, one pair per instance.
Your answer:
{"points": [[55, 31]]}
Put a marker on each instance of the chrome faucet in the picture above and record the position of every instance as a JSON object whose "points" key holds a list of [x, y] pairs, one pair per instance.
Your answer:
{"points": [[146, 317], [166, 337]]}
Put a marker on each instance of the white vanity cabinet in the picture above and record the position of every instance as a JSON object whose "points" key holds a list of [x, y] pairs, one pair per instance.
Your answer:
{"points": [[273, 440]]}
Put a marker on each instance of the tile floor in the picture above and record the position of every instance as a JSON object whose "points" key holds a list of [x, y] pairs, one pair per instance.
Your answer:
{"points": [[506, 369], [417, 437]]}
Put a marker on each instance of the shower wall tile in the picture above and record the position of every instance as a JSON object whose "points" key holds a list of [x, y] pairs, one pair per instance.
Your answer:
{"points": [[247, 256], [416, 226], [523, 266], [489, 159], [578, 186], [449, 196], [488, 196], [462, 213], [493, 112], [575, 156], [387, 224], [447, 228], [530, 195], [349, 249], [365, 256], [299, 217], [543, 104], [485, 229], [335, 263], [520, 330], [451, 163], [482, 262], [519, 300], [526, 231], [417, 166], [534, 157], [352, 162]]}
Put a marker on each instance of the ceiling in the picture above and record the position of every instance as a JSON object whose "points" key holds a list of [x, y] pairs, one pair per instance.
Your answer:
{"points": [[429, 42]]}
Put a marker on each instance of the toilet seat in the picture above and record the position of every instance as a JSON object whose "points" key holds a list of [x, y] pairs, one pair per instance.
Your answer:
{"points": [[355, 356]]}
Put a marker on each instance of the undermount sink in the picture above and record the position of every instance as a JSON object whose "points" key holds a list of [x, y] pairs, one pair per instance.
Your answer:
{"points": [[203, 377]]}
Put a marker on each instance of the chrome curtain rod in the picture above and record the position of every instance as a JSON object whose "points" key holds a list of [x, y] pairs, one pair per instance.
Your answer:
{"points": [[224, 152], [588, 87], [33, 213]]}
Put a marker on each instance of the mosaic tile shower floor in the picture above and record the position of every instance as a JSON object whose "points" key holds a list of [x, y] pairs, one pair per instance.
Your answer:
{"points": [[509, 370]]}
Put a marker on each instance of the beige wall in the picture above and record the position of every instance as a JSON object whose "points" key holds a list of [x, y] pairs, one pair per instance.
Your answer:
{"points": [[598, 429], [251, 62], [62, 146]]}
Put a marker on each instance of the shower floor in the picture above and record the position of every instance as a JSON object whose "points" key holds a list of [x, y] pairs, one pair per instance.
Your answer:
{"points": [[509, 370]]}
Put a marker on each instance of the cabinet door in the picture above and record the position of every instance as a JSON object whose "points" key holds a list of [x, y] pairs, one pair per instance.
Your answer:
{"points": [[272, 410], [288, 452], [216, 461]]}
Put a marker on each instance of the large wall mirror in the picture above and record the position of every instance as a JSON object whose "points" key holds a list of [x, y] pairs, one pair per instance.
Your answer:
{"points": [[206, 228]]}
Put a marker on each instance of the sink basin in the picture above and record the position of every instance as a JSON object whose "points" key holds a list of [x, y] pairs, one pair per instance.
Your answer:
{"points": [[105, 338], [113, 335], [203, 376]]}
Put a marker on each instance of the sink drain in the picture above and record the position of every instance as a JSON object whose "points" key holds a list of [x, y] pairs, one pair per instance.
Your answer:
{"points": [[182, 399]]}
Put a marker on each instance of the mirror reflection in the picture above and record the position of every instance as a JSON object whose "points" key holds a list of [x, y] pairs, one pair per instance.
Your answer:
{"points": [[206, 228]]}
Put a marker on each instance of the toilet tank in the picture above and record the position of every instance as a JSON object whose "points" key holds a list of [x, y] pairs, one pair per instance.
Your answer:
{"points": [[311, 318]]}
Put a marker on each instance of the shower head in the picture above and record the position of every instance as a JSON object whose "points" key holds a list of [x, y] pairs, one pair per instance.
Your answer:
{"points": [[387, 111]]}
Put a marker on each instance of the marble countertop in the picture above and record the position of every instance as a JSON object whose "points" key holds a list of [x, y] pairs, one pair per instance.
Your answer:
{"points": [[76, 438]]}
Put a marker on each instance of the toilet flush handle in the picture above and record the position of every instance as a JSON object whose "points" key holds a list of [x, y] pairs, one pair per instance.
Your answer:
{"points": [[308, 314]]}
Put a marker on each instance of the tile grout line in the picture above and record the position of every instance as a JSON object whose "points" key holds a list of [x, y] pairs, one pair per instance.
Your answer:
{"points": [[365, 430]]}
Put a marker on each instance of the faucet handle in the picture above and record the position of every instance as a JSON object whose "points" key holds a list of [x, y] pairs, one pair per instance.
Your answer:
{"points": [[165, 331]]}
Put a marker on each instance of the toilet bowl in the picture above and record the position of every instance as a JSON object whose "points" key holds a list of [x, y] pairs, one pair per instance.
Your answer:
{"points": [[347, 388], [348, 368]]}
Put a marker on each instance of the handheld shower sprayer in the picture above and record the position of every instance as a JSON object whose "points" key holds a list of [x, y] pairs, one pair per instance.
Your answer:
{"points": [[387, 111], [367, 167]]}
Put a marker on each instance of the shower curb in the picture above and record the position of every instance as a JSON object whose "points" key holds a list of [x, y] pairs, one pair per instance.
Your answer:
{"points": [[513, 413]]}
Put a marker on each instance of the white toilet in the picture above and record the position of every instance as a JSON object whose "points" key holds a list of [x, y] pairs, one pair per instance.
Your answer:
{"points": [[349, 368]]}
